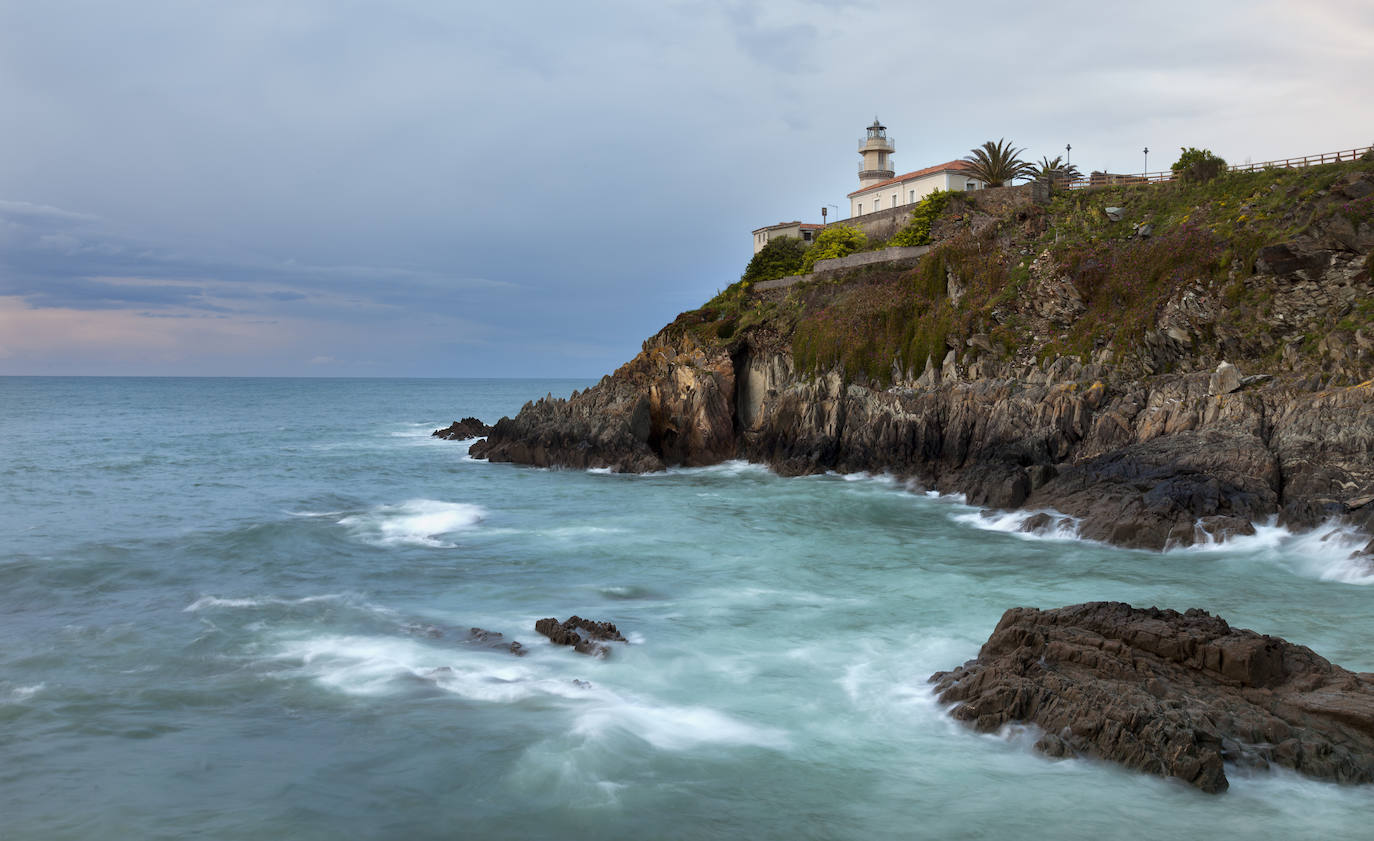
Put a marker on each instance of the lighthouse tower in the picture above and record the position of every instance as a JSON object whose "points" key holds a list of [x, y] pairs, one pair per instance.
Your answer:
{"points": [[877, 151]]}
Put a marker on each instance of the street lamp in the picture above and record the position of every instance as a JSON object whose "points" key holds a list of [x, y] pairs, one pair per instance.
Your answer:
{"points": [[1147, 161], [1068, 157]]}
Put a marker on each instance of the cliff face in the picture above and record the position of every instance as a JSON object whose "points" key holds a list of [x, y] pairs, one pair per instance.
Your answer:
{"points": [[1138, 435]]}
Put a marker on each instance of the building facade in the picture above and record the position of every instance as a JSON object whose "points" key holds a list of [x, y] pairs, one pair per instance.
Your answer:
{"points": [[804, 231], [912, 187], [880, 188]]}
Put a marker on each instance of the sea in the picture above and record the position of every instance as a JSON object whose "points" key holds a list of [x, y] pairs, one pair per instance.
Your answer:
{"points": [[241, 609]]}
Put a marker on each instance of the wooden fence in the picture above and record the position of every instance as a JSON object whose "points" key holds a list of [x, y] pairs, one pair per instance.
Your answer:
{"points": [[1107, 179]]}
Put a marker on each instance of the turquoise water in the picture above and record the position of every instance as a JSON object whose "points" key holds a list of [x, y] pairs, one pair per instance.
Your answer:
{"points": [[238, 609]]}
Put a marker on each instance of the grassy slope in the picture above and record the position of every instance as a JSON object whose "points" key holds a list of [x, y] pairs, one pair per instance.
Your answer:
{"points": [[1206, 238]]}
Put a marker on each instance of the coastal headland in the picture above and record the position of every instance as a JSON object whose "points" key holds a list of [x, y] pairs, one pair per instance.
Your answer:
{"points": [[1164, 364]]}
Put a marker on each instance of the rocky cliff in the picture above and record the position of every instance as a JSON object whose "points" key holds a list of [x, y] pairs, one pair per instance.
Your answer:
{"points": [[1165, 380]]}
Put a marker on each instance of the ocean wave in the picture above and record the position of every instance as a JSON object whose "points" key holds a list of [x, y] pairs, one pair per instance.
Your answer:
{"points": [[20, 694], [673, 728], [368, 666], [206, 602], [1063, 527], [1326, 553], [416, 522]]}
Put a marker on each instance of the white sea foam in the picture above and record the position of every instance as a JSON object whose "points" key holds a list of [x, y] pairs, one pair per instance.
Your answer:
{"points": [[674, 728], [314, 513], [378, 666], [1012, 522], [416, 522], [734, 467], [207, 602], [23, 693], [1325, 553], [364, 665]]}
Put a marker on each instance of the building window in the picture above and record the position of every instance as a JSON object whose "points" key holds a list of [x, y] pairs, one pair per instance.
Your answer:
{"points": [[806, 236], [860, 211], [894, 199], [911, 197], [971, 185]]}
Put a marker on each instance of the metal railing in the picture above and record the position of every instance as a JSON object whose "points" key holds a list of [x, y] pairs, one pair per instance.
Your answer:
{"points": [[879, 143], [889, 169], [1111, 178]]}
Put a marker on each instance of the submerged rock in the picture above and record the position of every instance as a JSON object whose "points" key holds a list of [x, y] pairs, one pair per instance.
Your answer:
{"points": [[463, 430], [1167, 693], [566, 633], [480, 637]]}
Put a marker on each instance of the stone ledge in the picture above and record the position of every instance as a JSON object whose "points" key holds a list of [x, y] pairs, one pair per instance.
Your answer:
{"points": [[897, 255]]}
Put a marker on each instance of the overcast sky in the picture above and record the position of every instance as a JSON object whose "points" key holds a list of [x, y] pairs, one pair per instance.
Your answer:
{"points": [[452, 188]]}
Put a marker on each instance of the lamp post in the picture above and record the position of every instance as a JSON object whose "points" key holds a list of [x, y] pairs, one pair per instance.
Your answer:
{"points": [[824, 210], [1068, 154], [1147, 163]]}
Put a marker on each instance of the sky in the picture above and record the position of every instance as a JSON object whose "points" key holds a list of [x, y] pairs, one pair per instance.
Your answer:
{"points": [[444, 188]]}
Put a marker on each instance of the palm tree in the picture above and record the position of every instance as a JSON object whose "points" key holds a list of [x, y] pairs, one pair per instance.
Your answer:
{"points": [[1055, 168], [997, 163]]}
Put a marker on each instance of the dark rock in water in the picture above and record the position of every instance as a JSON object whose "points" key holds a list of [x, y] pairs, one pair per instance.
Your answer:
{"points": [[463, 430], [566, 633], [1038, 523], [473, 636], [1168, 693], [494, 639]]}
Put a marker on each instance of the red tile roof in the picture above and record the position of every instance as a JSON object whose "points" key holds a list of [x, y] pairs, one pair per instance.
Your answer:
{"points": [[803, 225], [951, 166]]}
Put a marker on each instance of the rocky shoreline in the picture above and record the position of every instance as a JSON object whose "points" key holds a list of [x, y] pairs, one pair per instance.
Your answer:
{"points": [[1155, 464], [1213, 422]]}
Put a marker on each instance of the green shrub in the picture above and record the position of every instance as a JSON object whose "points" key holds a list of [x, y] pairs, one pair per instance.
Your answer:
{"points": [[1197, 165], [781, 257], [834, 241], [923, 216]]}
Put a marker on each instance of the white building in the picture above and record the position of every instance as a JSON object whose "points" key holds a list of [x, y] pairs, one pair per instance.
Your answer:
{"points": [[804, 231], [880, 188]]}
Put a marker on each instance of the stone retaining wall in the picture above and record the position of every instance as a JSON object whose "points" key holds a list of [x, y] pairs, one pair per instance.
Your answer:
{"points": [[895, 256]]}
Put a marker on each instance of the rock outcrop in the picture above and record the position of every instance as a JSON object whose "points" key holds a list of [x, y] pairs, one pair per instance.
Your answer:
{"points": [[1211, 422], [462, 430], [597, 634], [1167, 693]]}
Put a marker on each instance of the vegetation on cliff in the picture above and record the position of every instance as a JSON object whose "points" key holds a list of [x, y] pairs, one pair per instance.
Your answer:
{"points": [[1183, 275]]}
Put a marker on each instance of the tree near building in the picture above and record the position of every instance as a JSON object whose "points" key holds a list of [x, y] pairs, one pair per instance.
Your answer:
{"points": [[1055, 169], [782, 256], [998, 163]]}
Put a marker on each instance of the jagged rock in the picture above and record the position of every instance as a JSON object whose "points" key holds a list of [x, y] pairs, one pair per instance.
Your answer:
{"points": [[463, 430], [479, 637], [566, 633], [494, 639], [1115, 214], [1225, 380], [1171, 694], [1144, 446]]}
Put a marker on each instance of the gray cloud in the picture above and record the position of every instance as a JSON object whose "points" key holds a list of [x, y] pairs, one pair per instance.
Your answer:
{"points": [[532, 187]]}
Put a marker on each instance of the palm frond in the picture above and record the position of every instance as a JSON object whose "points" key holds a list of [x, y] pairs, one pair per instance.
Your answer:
{"points": [[997, 163]]}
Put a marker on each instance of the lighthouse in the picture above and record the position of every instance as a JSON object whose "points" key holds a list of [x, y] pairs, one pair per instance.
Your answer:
{"points": [[876, 149]]}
